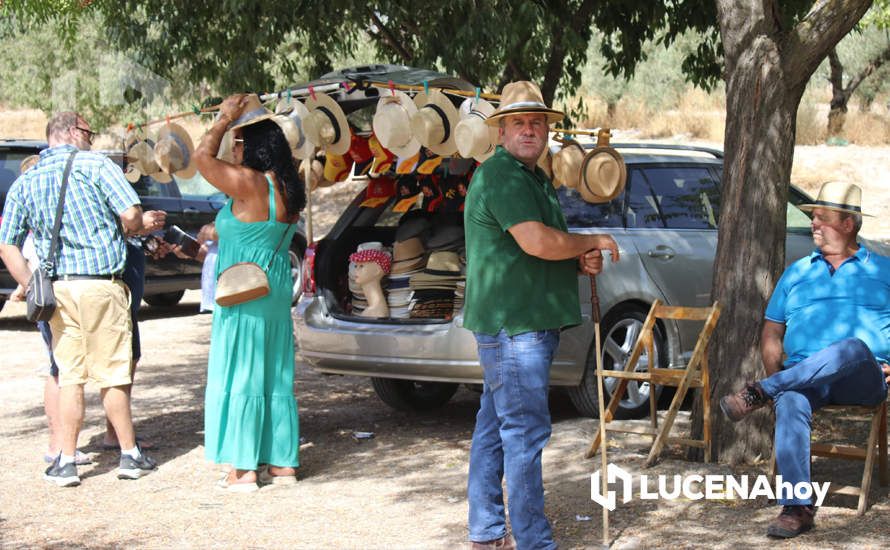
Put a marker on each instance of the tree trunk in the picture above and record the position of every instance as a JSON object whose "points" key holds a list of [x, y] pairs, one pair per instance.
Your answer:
{"points": [[767, 68], [840, 96]]}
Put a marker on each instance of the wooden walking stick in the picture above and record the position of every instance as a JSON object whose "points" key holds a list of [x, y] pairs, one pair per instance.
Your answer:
{"points": [[595, 311]]}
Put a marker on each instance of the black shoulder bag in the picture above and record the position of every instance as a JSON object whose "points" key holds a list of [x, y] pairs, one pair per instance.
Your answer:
{"points": [[40, 298]]}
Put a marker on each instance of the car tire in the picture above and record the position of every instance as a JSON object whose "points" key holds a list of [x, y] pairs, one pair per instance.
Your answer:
{"points": [[410, 395], [165, 299], [619, 332]]}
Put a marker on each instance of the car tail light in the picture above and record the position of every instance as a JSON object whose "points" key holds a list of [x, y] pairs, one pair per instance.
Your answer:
{"points": [[309, 271]]}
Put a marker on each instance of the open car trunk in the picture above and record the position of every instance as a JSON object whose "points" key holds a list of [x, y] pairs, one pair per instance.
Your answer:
{"points": [[358, 225]]}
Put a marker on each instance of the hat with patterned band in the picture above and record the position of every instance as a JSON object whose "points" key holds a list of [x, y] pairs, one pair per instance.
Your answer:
{"points": [[523, 97], [839, 196]]}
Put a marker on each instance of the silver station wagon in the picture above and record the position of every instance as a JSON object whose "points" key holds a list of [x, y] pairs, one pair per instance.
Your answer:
{"points": [[665, 223]]}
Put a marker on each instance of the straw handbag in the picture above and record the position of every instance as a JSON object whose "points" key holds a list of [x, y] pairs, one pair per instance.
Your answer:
{"points": [[244, 281]]}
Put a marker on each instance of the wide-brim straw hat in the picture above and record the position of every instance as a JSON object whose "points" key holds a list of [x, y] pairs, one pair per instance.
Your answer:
{"points": [[326, 125], [174, 151], [474, 138], [567, 164], [297, 112], [392, 123], [253, 112], [142, 157], [839, 196], [603, 173], [435, 121], [523, 97], [441, 266], [316, 174], [545, 163]]}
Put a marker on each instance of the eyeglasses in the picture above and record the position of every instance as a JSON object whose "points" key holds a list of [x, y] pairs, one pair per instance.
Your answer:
{"points": [[238, 140], [90, 134]]}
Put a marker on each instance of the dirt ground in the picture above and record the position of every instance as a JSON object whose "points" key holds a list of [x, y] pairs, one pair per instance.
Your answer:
{"points": [[405, 488]]}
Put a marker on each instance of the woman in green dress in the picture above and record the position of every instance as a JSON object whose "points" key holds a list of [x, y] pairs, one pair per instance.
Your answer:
{"points": [[250, 412]]}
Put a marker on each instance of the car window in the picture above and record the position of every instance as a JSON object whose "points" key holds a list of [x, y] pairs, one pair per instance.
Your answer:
{"points": [[687, 197], [642, 209], [579, 213], [149, 187], [9, 167], [195, 187], [797, 220]]}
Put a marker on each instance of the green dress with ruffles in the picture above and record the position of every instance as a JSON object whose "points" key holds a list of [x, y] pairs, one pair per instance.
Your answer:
{"points": [[250, 412]]}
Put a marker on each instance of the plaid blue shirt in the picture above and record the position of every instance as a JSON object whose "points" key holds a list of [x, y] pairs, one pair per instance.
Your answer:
{"points": [[91, 241]]}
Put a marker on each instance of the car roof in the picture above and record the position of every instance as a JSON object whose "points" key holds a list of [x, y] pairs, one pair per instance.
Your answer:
{"points": [[22, 144], [665, 153], [361, 95]]}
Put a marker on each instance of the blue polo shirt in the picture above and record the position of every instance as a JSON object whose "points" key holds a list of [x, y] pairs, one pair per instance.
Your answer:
{"points": [[820, 305]]}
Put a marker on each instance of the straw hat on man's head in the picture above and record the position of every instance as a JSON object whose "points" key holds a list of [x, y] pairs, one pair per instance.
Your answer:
{"points": [[392, 123], [174, 151], [326, 125], [474, 138], [839, 196], [523, 97], [434, 122]]}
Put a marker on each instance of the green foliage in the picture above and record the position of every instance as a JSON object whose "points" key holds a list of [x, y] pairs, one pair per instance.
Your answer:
{"points": [[858, 49], [657, 82]]}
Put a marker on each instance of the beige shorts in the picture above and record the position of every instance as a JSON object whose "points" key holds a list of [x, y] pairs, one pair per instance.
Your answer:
{"points": [[91, 332]]}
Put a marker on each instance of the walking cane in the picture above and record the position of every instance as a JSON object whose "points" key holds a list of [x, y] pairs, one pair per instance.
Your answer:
{"points": [[595, 310]]}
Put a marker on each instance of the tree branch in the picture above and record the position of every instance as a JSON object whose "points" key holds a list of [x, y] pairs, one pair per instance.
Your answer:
{"points": [[820, 30], [873, 66], [389, 38]]}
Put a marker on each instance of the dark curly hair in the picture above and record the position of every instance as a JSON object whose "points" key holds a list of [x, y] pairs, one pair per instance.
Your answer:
{"points": [[266, 149]]}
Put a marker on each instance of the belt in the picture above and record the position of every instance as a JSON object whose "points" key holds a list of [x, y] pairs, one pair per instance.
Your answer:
{"points": [[76, 277]]}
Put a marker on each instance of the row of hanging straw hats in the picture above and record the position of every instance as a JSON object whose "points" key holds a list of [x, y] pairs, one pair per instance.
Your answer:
{"points": [[169, 154]]}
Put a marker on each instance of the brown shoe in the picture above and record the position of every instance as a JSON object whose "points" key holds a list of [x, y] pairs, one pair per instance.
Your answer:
{"points": [[739, 405], [793, 521], [503, 543]]}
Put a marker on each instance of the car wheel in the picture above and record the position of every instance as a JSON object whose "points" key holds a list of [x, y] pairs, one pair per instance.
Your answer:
{"points": [[619, 332], [165, 299], [409, 395]]}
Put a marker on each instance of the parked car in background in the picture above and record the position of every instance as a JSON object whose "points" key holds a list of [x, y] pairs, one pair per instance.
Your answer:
{"points": [[189, 203], [665, 223]]}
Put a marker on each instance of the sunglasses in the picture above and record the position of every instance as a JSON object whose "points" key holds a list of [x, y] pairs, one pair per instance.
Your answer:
{"points": [[90, 134]]}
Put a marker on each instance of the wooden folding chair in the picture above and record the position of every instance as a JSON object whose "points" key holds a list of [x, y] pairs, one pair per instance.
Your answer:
{"points": [[695, 375], [876, 444]]}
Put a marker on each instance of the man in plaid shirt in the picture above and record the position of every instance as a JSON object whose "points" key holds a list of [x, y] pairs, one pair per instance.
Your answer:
{"points": [[91, 326]]}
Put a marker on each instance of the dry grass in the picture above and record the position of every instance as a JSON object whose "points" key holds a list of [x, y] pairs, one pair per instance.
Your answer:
{"points": [[31, 124], [702, 116]]}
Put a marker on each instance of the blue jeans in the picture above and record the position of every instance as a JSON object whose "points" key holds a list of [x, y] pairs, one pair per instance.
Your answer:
{"points": [[844, 373], [512, 428]]}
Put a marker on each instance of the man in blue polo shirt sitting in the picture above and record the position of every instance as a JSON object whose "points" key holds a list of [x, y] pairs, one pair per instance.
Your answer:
{"points": [[830, 314]]}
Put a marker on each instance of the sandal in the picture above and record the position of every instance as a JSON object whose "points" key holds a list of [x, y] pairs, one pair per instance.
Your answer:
{"points": [[267, 478], [238, 486]]}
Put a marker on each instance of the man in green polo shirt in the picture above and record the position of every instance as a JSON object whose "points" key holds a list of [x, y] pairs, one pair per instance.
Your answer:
{"points": [[522, 288]]}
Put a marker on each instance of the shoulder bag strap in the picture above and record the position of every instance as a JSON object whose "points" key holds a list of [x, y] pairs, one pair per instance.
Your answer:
{"points": [[50, 262], [283, 235]]}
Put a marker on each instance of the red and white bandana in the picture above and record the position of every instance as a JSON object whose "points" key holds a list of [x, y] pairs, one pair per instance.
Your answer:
{"points": [[377, 256]]}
